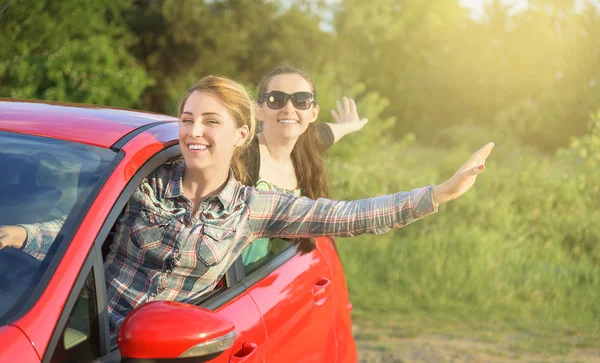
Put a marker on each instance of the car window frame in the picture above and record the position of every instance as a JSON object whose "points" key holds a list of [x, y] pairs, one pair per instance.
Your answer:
{"points": [[93, 264]]}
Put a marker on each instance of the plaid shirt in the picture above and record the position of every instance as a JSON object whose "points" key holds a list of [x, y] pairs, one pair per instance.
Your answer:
{"points": [[162, 251]]}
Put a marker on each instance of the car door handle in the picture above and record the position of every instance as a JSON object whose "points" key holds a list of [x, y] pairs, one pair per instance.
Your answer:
{"points": [[246, 354], [320, 289]]}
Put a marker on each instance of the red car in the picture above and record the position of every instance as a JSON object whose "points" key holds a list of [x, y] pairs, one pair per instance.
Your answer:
{"points": [[84, 162]]}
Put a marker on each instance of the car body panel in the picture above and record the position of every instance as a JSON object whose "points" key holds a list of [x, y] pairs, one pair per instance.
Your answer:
{"points": [[346, 346], [297, 306], [21, 349], [93, 125], [249, 328]]}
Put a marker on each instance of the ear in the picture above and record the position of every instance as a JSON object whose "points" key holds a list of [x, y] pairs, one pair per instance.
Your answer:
{"points": [[242, 135], [314, 113], [259, 112]]}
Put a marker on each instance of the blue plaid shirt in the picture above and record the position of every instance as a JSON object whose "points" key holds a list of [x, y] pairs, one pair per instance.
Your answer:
{"points": [[162, 251]]}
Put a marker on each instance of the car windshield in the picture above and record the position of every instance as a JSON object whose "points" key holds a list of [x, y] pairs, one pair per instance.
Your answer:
{"points": [[45, 188]]}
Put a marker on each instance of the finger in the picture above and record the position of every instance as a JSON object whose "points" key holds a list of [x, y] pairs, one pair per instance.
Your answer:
{"points": [[477, 170], [347, 106], [353, 108], [361, 123], [485, 151], [340, 110], [335, 116], [479, 157]]}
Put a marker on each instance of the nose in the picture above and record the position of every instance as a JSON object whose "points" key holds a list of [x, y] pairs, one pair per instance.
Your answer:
{"points": [[289, 107], [197, 130]]}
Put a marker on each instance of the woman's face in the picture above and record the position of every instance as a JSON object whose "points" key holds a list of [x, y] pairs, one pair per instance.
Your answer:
{"points": [[287, 122], [208, 134]]}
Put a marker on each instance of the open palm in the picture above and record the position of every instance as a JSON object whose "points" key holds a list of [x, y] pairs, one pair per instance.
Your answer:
{"points": [[464, 178], [348, 115]]}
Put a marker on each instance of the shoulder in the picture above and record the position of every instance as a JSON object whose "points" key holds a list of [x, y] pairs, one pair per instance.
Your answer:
{"points": [[326, 135]]}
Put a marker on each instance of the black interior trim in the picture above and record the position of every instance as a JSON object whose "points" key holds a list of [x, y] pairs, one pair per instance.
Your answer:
{"points": [[125, 139], [269, 267], [218, 299], [113, 356], [89, 264], [101, 301]]}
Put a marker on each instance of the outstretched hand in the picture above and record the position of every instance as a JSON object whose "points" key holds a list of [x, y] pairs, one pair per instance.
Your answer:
{"points": [[348, 115], [13, 236], [464, 178]]}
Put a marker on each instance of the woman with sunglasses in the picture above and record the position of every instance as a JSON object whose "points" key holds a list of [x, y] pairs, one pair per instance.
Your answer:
{"points": [[287, 156], [188, 221]]}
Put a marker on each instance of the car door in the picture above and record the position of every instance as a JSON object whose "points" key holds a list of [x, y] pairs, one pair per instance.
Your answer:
{"points": [[294, 294]]}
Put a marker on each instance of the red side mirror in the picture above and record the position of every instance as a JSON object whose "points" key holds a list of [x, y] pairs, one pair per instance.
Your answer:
{"points": [[167, 329]]}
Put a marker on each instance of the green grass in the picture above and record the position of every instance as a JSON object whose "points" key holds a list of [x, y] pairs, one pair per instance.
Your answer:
{"points": [[515, 261]]}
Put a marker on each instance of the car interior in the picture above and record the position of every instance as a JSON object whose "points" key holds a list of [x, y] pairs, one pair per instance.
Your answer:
{"points": [[24, 199], [38, 188]]}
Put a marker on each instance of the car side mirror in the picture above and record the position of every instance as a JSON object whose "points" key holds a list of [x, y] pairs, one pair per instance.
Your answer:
{"points": [[168, 329]]}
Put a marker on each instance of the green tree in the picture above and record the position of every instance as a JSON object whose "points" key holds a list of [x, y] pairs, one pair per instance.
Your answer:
{"points": [[183, 40], [401, 49], [531, 74], [71, 50]]}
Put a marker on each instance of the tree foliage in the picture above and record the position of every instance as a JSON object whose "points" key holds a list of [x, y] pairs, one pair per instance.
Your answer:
{"points": [[528, 75], [182, 40], [72, 50]]}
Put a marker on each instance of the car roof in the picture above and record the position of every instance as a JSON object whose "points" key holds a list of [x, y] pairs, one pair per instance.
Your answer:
{"points": [[94, 125]]}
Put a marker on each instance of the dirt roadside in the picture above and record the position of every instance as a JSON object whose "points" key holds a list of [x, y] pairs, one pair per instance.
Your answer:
{"points": [[442, 349]]}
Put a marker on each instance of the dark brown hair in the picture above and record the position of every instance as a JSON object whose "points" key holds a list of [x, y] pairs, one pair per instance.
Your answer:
{"points": [[239, 105], [307, 155]]}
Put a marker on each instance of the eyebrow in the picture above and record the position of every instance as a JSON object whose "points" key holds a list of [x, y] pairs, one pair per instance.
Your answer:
{"points": [[204, 114]]}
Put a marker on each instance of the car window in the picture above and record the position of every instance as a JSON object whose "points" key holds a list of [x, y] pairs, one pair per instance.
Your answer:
{"points": [[263, 251], [44, 192], [79, 338]]}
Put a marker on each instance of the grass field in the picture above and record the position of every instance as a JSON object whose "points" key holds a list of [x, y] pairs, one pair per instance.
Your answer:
{"points": [[518, 254]]}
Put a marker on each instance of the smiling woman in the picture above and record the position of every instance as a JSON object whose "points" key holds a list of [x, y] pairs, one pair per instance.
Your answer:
{"points": [[288, 155]]}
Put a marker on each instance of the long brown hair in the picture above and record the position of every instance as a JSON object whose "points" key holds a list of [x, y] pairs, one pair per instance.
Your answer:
{"points": [[307, 155], [239, 105]]}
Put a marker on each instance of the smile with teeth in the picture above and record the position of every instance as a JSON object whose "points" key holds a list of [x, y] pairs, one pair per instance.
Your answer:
{"points": [[197, 147], [288, 121]]}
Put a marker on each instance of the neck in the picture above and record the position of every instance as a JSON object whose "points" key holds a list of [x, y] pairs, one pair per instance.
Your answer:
{"points": [[201, 184], [279, 148]]}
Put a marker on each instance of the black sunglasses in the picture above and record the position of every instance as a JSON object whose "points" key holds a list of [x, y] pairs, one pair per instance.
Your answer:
{"points": [[277, 100]]}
